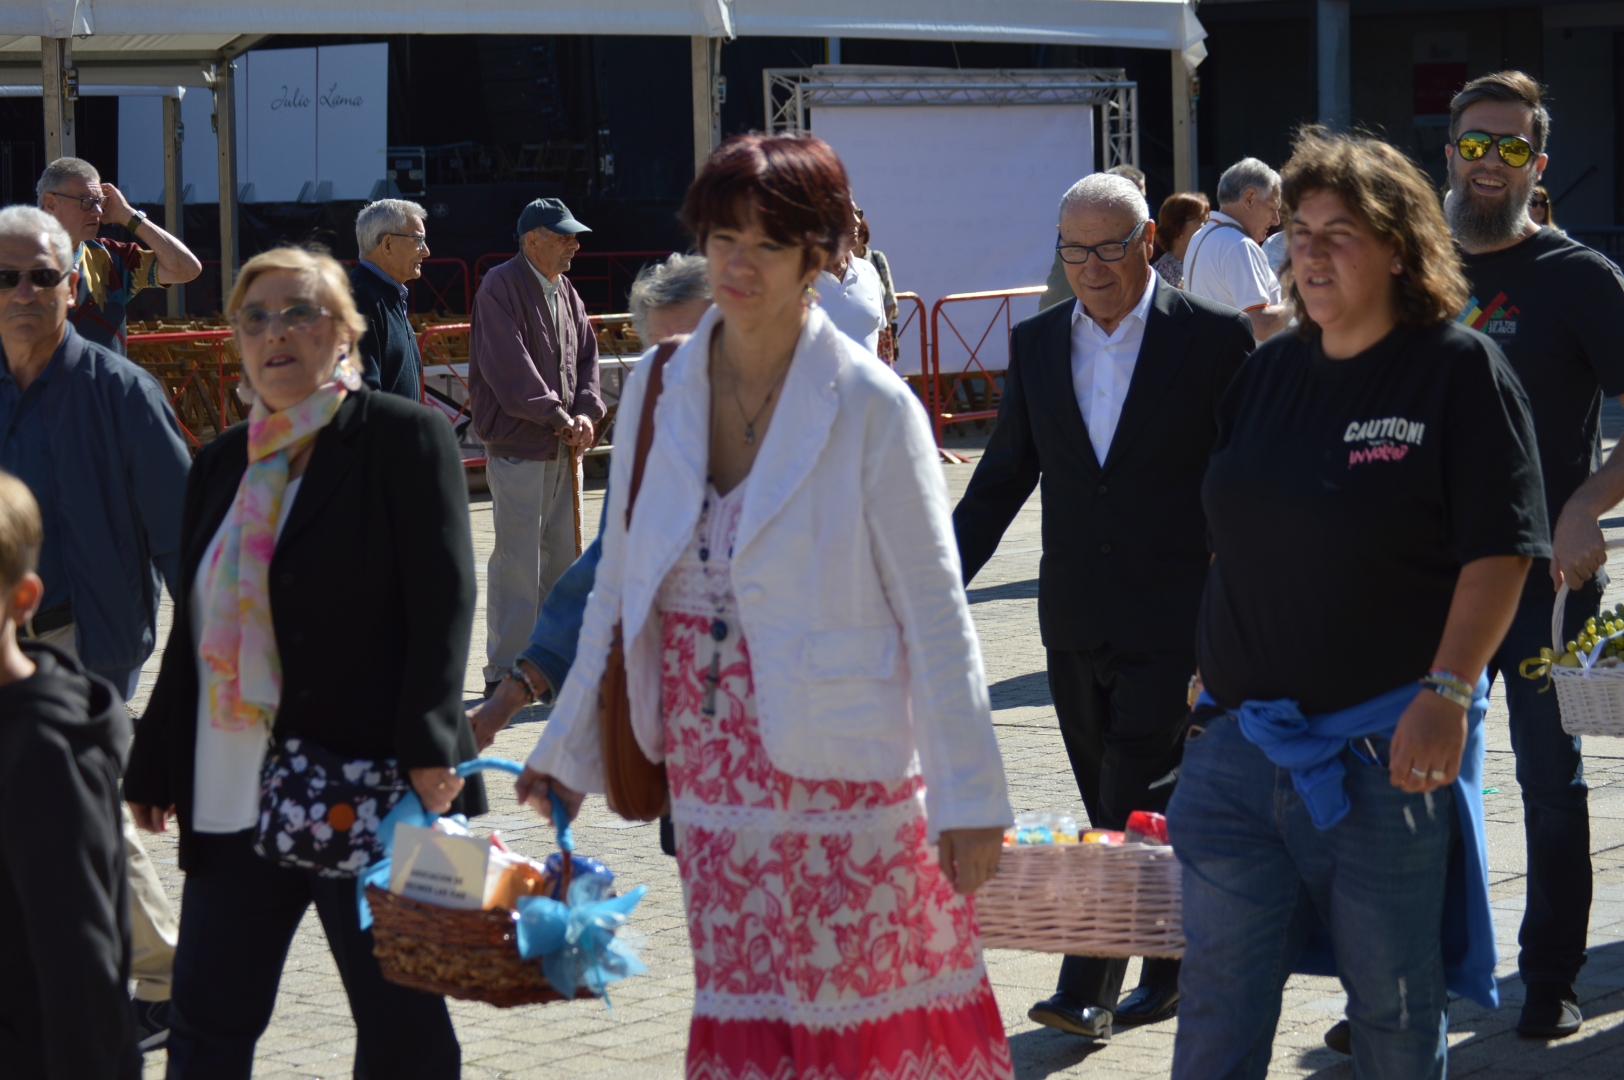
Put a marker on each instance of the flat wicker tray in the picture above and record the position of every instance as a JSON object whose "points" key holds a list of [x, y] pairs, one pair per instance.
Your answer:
{"points": [[1084, 899], [471, 955]]}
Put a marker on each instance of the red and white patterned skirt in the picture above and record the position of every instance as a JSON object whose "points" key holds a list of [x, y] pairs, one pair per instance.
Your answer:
{"points": [[828, 944]]}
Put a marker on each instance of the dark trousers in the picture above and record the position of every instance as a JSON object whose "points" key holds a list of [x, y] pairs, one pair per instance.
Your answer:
{"points": [[238, 916], [1550, 771], [1122, 716]]}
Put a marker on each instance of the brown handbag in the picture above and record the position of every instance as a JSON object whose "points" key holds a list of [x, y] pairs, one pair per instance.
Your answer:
{"points": [[634, 786]]}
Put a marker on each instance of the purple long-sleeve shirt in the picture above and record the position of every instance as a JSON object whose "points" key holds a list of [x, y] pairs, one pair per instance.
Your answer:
{"points": [[526, 382]]}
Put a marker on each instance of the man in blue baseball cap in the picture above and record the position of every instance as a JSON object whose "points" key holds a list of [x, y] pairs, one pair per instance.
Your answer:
{"points": [[533, 387]]}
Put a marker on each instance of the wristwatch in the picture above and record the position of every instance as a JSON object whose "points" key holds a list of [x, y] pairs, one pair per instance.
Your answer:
{"points": [[137, 220]]}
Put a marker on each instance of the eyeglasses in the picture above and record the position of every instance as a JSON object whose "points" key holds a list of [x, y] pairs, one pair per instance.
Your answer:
{"points": [[1539, 204], [1110, 251], [253, 321], [1514, 150], [43, 277], [420, 239], [85, 201]]}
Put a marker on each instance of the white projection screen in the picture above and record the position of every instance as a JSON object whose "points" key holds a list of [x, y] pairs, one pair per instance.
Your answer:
{"points": [[962, 198]]}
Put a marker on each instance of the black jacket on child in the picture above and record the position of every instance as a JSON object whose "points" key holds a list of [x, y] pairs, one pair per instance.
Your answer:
{"points": [[64, 890]]}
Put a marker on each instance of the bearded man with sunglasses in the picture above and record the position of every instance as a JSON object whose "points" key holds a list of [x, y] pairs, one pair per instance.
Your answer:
{"points": [[110, 272], [1110, 402], [94, 438], [1554, 307]]}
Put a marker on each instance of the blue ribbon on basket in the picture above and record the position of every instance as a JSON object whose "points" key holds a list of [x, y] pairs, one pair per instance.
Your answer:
{"points": [[573, 938]]}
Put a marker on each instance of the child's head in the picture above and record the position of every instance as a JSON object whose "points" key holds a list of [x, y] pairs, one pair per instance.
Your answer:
{"points": [[21, 534]]}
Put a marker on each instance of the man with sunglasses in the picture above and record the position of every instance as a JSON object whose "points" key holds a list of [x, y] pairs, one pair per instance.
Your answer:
{"points": [[393, 242], [94, 438], [1554, 307], [111, 272], [1110, 403]]}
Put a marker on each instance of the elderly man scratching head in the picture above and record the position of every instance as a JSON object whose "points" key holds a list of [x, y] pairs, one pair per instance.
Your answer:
{"points": [[393, 241], [1225, 260]]}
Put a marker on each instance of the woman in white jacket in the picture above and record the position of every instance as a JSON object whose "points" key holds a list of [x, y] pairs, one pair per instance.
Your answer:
{"points": [[800, 654]]}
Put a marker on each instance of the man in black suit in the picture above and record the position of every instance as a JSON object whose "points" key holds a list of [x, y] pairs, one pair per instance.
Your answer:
{"points": [[1109, 403]]}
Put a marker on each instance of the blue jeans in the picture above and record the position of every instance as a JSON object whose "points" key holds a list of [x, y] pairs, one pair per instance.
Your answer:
{"points": [[1257, 876], [1550, 771]]}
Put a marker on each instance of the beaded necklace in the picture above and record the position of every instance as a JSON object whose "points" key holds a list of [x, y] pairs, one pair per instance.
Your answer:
{"points": [[716, 588]]}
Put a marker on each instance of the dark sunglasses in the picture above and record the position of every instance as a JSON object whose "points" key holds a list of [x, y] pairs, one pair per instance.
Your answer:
{"points": [[1514, 149], [43, 277], [1539, 204]]}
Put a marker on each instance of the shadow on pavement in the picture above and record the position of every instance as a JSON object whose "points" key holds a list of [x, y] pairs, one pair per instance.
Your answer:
{"points": [[1030, 689], [1009, 590], [1045, 1051]]}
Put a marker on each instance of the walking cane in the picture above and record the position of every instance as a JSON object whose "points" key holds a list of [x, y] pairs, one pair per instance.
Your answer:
{"points": [[577, 456]]}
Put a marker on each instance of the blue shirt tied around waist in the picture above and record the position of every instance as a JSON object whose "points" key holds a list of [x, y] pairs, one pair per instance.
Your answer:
{"points": [[1311, 747]]}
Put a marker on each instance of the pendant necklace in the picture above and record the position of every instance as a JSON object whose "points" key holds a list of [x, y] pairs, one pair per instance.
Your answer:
{"points": [[717, 593], [750, 421]]}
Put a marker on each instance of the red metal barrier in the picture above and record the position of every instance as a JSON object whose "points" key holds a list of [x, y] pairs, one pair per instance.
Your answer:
{"points": [[429, 347], [217, 409], [595, 274], [446, 282], [916, 315], [939, 398]]}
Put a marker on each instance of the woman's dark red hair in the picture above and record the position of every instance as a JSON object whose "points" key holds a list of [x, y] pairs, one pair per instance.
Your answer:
{"points": [[793, 186]]}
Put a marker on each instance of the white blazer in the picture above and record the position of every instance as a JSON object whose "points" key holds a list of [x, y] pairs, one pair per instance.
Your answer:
{"points": [[866, 664]]}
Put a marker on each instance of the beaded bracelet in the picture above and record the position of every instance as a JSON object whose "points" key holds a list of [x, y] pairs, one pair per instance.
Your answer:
{"points": [[517, 674]]}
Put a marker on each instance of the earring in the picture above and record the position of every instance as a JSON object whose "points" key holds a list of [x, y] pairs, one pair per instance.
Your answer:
{"points": [[1398, 267], [811, 296]]}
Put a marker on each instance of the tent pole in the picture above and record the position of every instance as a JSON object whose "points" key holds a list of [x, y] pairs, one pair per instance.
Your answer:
{"points": [[1185, 165], [702, 63], [225, 127], [56, 60], [174, 193]]}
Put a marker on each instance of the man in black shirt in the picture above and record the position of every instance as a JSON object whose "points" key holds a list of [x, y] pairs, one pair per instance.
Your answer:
{"points": [[1554, 307]]}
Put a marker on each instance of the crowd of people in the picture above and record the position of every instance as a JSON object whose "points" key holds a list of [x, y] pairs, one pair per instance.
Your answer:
{"points": [[1312, 465]]}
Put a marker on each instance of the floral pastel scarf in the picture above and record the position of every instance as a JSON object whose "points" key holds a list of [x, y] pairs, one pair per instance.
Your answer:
{"points": [[238, 645]]}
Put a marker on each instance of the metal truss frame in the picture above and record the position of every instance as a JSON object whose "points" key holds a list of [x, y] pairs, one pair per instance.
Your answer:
{"points": [[790, 92]]}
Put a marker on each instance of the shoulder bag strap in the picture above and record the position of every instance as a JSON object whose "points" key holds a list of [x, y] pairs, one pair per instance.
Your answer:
{"points": [[1189, 264], [645, 425]]}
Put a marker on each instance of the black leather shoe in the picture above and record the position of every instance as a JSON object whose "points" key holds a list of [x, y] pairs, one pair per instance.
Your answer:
{"points": [[1066, 1013], [1148, 1005], [1340, 1038], [1551, 1011]]}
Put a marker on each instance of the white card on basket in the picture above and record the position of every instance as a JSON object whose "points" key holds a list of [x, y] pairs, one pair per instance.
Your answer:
{"points": [[430, 866]]}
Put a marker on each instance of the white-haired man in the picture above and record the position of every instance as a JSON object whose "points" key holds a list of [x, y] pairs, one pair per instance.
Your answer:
{"points": [[1225, 261], [110, 272], [393, 242], [1111, 400], [95, 440]]}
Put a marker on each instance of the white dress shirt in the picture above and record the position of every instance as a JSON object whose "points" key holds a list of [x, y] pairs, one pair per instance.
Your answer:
{"points": [[1102, 367], [549, 289], [856, 304], [1224, 264]]}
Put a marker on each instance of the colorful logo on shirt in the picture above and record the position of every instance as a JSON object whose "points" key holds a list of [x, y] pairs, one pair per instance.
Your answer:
{"points": [[1497, 318], [1387, 439]]}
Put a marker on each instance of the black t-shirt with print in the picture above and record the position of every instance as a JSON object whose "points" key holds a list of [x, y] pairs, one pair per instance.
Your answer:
{"points": [[1556, 308], [1343, 498]]}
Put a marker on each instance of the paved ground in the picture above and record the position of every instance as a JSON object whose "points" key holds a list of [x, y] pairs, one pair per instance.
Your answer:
{"points": [[644, 1035]]}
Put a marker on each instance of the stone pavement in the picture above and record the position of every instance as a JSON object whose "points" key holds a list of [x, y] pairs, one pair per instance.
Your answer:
{"points": [[645, 1033]]}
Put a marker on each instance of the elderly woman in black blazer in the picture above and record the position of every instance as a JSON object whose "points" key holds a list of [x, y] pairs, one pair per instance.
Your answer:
{"points": [[326, 601]]}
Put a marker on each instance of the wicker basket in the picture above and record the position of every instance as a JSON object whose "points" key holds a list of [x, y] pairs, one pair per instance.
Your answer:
{"points": [[1591, 700], [471, 955], [1084, 899]]}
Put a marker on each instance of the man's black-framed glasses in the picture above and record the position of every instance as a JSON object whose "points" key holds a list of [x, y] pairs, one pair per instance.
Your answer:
{"points": [[85, 201], [420, 239], [42, 277], [1110, 251]]}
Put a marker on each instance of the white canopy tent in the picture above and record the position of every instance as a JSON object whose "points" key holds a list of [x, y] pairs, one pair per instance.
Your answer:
{"points": [[63, 45]]}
